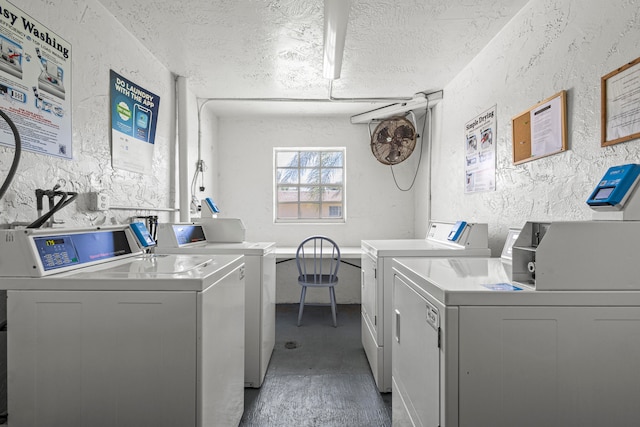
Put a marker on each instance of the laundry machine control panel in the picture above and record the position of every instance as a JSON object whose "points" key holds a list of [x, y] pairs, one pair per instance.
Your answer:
{"points": [[37, 253]]}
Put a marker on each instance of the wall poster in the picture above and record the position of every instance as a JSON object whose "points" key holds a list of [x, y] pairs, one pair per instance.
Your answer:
{"points": [[134, 114], [35, 84], [480, 153]]}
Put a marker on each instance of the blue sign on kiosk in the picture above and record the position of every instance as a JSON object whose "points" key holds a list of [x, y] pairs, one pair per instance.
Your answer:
{"points": [[615, 187]]}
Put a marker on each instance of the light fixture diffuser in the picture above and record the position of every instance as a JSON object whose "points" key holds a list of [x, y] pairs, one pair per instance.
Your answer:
{"points": [[336, 15]]}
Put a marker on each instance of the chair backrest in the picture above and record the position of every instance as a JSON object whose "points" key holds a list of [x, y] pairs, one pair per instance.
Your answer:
{"points": [[318, 259]]}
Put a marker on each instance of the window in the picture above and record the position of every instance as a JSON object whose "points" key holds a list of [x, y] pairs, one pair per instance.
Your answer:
{"points": [[309, 184]]}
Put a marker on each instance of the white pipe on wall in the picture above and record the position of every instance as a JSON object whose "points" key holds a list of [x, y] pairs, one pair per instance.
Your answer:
{"points": [[174, 189], [183, 146]]}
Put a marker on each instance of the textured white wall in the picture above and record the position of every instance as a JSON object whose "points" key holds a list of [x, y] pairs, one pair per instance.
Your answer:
{"points": [[549, 46], [421, 204], [99, 43], [376, 209]]}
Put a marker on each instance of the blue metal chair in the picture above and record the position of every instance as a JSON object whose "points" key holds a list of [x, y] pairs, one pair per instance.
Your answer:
{"points": [[318, 259]]}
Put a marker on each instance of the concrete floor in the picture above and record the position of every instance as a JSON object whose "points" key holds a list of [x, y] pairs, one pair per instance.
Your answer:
{"points": [[318, 376]]}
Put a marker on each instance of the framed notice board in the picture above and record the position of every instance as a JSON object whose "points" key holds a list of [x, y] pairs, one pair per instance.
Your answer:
{"points": [[541, 130], [621, 104]]}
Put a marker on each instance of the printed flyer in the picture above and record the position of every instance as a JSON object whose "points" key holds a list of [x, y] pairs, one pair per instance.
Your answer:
{"points": [[35, 84], [480, 153], [134, 114]]}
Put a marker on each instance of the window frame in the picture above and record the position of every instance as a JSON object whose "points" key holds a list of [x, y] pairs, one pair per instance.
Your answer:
{"points": [[300, 220]]}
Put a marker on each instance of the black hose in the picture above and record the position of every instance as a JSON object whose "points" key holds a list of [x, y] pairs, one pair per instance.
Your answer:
{"points": [[44, 218], [72, 196], [67, 197], [16, 154]]}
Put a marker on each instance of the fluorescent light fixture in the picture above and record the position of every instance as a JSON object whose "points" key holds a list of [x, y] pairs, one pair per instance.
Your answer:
{"points": [[336, 15], [418, 102]]}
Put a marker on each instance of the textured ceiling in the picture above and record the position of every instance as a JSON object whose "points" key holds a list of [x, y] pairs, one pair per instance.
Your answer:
{"points": [[273, 48]]}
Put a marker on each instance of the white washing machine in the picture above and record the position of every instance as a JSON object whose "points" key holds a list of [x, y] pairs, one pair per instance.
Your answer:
{"points": [[471, 348], [550, 339], [444, 239], [103, 334], [260, 285]]}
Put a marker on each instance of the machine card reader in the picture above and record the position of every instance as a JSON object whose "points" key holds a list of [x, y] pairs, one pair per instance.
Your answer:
{"points": [[615, 187], [209, 207], [142, 234], [456, 231]]}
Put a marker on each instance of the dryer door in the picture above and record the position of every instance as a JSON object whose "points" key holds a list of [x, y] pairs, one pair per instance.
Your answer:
{"points": [[370, 293], [416, 356]]}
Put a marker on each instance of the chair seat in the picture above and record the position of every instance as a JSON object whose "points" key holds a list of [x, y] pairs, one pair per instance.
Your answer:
{"points": [[318, 280]]}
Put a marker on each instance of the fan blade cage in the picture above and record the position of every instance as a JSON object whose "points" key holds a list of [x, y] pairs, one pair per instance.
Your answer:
{"points": [[393, 140]]}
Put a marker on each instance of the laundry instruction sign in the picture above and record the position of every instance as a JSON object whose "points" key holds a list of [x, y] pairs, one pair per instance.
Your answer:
{"points": [[134, 114], [480, 152], [35, 84]]}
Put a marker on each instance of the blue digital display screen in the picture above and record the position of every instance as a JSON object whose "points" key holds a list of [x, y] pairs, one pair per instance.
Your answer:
{"points": [[75, 249], [603, 193], [189, 234]]}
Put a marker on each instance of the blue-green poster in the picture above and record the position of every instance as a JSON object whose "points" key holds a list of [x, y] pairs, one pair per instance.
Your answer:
{"points": [[134, 115]]}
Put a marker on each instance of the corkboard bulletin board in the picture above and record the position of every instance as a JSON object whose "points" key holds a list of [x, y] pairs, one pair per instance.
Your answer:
{"points": [[541, 130]]}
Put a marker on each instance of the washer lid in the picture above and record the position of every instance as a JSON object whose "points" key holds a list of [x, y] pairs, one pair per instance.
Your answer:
{"points": [[142, 273]]}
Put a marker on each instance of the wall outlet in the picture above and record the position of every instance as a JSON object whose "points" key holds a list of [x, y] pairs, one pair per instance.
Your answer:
{"points": [[98, 201]]}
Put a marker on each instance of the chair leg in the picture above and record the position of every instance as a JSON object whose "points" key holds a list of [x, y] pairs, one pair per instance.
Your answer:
{"points": [[332, 295], [303, 293]]}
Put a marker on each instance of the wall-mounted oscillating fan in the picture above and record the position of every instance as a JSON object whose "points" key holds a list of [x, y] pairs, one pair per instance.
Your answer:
{"points": [[393, 140]]}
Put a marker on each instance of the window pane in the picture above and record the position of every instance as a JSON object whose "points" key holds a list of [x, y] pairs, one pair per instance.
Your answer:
{"points": [[332, 158], [332, 211], [309, 210], [310, 176], [331, 194], [309, 184], [287, 158], [309, 194], [309, 158], [287, 176], [288, 210], [332, 176], [287, 194]]}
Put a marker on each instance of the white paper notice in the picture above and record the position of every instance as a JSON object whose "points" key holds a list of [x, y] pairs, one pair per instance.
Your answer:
{"points": [[623, 104], [546, 128]]}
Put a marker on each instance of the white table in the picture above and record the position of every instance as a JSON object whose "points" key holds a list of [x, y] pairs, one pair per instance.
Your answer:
{"points": [[351, 252]]}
